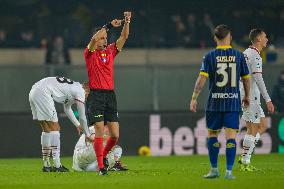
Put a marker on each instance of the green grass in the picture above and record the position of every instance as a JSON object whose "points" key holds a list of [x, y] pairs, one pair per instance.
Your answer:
{"points": [[146, 172]]}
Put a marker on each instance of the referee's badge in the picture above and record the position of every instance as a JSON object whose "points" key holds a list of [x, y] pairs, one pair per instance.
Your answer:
{"points": [[104, 58]]}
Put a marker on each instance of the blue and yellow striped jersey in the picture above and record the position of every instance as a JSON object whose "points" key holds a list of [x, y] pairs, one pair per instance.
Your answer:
{"points": [[224, 66]]}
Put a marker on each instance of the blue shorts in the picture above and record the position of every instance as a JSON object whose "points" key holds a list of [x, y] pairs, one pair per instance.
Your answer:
{"points": [[215, 121]]}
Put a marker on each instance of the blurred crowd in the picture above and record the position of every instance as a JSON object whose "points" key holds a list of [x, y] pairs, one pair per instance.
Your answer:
{"points": [[278, 93], [57, 27], [37, 24]]}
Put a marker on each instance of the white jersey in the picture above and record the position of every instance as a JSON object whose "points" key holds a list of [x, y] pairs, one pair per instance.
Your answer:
{"points": [[84, 157], [254, 62], [84, 153], [253, 113], [61, 89]]}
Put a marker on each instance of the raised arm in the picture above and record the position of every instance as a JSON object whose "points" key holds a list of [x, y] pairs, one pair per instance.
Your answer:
{"points": [[102, 32], [125, 31], [97, 36]]}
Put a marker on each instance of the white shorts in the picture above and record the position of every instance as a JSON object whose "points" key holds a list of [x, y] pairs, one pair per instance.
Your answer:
{"points": [[253, 113], [42, 105]]}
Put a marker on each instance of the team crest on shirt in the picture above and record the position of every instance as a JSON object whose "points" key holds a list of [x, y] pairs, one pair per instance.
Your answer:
{"points": [[103, 57]]}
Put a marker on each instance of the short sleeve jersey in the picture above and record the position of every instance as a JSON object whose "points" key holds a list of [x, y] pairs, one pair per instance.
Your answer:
{"points": [[62, 90], [224, 66], [100, 66]]}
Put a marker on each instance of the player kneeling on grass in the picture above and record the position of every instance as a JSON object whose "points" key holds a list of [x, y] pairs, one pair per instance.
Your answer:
{"points": [[42, 97], [84, 157]]}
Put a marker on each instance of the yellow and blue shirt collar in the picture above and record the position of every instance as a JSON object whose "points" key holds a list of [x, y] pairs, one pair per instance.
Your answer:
{"points": [[224, 47]]}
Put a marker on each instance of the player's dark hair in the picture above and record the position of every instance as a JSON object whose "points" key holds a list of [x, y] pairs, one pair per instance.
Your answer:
{"points": [[221, 31], [254, 33]]}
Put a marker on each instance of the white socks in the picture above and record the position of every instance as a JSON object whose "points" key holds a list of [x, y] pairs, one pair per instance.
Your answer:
{"points": [[55, 147], [45, 148], [248, 146], [214, 168], [117, 152]]}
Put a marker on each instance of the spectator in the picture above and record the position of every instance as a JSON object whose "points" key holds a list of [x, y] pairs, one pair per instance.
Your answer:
{"points": [[3, 38], [57, 52], [280, 30], [239, 27], [192, 39], [176, 38], [206, 32], [27, 39], [278, 93], [141, 36]]}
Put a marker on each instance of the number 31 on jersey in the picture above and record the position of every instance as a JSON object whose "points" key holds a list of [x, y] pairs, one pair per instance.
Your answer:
{"points": [[223, 70]]}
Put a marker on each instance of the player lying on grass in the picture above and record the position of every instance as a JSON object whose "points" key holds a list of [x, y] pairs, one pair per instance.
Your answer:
{"points": [[42, 97], [84, 157], [253, 114]]}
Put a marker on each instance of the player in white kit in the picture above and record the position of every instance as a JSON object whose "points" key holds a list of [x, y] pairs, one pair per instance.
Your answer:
{"points": [[253, 114], [84, 157], [42, 97]]}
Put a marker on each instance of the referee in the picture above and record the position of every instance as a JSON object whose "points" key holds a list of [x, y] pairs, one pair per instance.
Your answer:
{"points": [[101, 103]]}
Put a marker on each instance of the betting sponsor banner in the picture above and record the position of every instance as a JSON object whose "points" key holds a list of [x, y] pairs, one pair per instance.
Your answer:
{"points": [[166, 133]]}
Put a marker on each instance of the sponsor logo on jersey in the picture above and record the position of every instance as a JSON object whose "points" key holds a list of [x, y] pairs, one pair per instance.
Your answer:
{"points": [[225, 95]]}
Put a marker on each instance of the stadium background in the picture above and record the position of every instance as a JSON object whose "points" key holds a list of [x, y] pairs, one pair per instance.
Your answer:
{"points": [[155, 74]]}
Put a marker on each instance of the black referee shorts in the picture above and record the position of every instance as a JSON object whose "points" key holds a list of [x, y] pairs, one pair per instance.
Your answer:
{"points": [[101, 105]]}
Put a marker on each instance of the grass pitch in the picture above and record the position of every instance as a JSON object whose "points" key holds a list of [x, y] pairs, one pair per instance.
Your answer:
{"points": [[145, 172]]}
